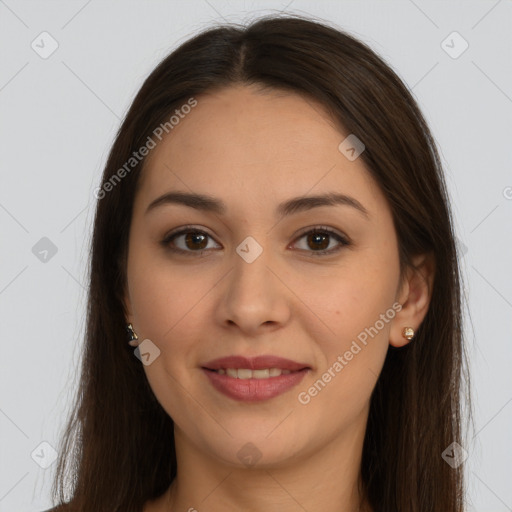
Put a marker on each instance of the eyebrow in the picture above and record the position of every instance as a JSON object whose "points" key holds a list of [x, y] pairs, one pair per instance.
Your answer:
{"points": [[291, 206]]}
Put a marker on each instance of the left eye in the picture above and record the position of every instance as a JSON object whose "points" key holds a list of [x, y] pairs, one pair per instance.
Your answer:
{"points": [[319, 239]]}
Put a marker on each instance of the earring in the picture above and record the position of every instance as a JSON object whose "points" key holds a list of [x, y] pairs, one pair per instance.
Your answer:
{"points": [[408, 332], [132, 335]]}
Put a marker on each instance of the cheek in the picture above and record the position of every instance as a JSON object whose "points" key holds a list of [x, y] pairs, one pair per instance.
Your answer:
{"points": [[162, 296], [357, 294], [357, 306], [350, 364], [167, 305]]}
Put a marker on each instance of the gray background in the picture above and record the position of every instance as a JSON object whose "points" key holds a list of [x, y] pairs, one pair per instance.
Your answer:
{"points": [[59, 116]]}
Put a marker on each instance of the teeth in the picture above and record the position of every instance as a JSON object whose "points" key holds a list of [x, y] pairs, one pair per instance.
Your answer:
{"points": [[244, 373]]}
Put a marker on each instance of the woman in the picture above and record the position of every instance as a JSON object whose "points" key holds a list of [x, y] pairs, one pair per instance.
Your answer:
{"points": [[273, 231]]}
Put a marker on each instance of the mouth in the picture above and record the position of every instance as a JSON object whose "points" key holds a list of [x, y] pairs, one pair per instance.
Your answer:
{"points": [[254, 379], [246, 373], [266, 364]]}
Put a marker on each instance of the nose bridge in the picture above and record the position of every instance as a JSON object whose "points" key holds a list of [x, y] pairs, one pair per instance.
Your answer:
{"points": [[253, 234], [251, 260]]}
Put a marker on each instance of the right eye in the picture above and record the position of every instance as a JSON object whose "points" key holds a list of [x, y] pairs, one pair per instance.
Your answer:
{"points": [[191, 240]]}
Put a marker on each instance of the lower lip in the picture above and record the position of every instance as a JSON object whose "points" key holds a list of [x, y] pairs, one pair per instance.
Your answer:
{"points": [[252, 390]]}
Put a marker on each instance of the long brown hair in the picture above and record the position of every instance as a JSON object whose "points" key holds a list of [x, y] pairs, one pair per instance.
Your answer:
{"points": [[118, 448]]}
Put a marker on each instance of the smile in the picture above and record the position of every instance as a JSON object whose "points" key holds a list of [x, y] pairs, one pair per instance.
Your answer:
{"points": [[245, 373]]}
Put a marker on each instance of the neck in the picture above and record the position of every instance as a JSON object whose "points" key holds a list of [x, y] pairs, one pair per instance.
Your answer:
{"points": [[327, 479]]}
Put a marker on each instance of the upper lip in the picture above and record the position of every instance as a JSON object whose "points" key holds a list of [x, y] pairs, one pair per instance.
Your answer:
{"points": [[254, 363]]}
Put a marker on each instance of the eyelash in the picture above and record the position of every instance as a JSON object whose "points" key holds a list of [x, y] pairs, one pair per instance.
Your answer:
{"points": [[191, 229]]}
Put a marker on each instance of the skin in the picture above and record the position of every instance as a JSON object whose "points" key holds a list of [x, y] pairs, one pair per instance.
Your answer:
{"points": [[254, 150]]}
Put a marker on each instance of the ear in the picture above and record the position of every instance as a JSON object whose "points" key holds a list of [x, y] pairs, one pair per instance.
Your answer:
{"points": [[124, 297], [122, 293], [414, 295], [127, 309]]}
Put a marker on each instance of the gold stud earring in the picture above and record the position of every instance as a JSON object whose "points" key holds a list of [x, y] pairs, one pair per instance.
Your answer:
{"points": [[408, 332], [132, 336]]}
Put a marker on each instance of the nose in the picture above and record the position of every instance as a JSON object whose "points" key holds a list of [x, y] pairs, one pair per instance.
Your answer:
{"points": [[254, 296]]}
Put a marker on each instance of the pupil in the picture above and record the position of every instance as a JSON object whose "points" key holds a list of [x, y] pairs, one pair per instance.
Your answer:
{"points": [[192, 237], [316, 237]]}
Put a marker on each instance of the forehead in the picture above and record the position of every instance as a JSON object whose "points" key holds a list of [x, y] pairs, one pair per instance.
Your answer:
{"points": [[242, 141]]}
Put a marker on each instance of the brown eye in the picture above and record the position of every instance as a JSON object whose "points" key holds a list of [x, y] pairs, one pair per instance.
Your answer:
{"points": [[195, 240], [319, 239], [187, 240]]}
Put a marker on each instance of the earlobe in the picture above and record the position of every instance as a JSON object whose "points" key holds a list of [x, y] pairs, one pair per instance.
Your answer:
{"points": [[133, 338], [401, 334], [127, 307], [414, 296]]}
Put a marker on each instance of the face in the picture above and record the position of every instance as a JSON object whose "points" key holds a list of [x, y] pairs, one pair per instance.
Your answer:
{"points": [[317, 285]]}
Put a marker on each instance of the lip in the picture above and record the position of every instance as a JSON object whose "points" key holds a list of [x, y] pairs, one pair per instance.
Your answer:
{"points": [[254, 390], [255, 363]]}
